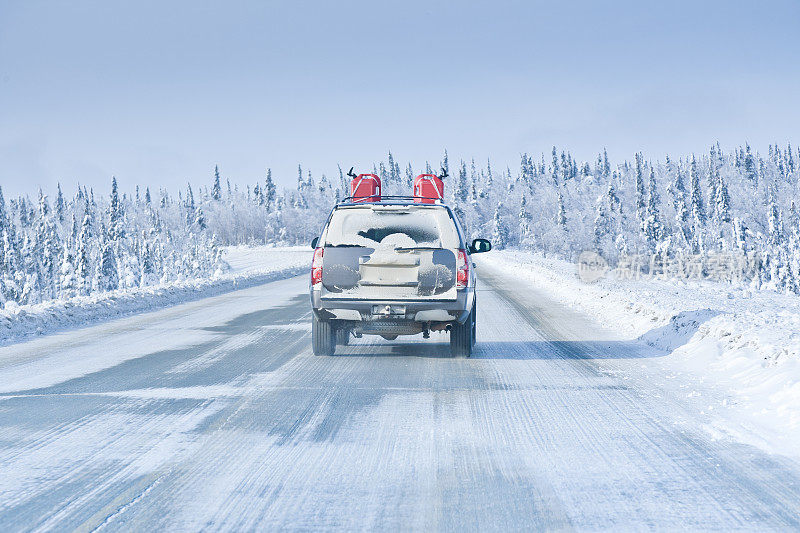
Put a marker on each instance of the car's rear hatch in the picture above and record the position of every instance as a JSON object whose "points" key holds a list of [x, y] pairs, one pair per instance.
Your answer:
{"points": [[390, 253]]}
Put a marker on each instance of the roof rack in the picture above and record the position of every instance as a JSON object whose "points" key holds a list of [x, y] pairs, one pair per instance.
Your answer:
{"points": [[362, 199]]}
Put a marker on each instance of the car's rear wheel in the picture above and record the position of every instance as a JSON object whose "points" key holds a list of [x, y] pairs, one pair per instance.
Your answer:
{"points": [[462, 336], [323, 337], [474, 322]]}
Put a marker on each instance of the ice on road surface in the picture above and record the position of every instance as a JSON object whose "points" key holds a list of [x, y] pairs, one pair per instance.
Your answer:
{"points": [[215, 415], [735, 350]]}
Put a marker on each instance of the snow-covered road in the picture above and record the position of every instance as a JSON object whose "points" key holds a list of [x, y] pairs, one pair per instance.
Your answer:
{"points": [[215, 415]]}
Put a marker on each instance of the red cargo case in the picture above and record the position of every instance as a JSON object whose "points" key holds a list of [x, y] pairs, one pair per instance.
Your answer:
{"points": [[428, 188], [365, 188]]}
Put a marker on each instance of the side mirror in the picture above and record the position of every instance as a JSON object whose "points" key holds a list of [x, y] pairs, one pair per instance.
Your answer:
{"points": [[314, 242], [479, 246]]}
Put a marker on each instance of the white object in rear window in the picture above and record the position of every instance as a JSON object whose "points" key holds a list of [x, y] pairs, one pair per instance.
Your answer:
{"points": [[391, 227]]}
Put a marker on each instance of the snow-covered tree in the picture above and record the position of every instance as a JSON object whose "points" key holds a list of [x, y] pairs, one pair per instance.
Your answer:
{"points": [[561, 213], [216, 189], [651, 226], [500, 232], [552, 203], [269, 190], [525, 232]]}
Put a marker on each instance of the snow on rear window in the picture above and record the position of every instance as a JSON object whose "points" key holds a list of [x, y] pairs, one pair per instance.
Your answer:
{"points": [[386, 227]]}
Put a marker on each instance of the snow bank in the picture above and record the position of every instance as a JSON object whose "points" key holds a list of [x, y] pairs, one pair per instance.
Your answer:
{"points": [[248, 266], [736, 350]]}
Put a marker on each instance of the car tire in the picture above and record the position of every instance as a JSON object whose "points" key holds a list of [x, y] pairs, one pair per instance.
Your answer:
{"points": [[474, 315], [323, 337], [462, 336]]}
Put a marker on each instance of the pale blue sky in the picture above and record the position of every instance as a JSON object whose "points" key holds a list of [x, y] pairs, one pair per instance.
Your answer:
{"points": [[158, 92]]}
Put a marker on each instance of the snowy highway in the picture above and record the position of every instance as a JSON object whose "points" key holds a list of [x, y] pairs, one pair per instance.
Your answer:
{"points": [[215, 415]]}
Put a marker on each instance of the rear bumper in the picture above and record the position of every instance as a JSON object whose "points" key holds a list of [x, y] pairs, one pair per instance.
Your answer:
{"points": [[422, 310]]}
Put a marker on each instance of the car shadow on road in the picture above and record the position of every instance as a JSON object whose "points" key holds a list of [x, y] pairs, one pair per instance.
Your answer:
{"points": [[565, 350], [540, 349]]}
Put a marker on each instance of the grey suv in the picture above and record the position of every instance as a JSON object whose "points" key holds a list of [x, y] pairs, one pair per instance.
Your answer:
{"points": [[391, 268]]}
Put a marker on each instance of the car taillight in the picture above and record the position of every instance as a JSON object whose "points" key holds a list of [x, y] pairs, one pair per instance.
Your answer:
{"points": [[316, 267], [462, 269]]}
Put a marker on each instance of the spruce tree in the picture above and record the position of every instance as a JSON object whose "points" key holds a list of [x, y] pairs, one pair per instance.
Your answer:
{"points": [[653, 198], [651, 227], [561, 213], [300, 181], [526, 171], [147, 264], [740, 234], [343, 182], [500, 233], [462, 187], [712, 181], [774, 227], [723, 200], [524, 222], [269, 190], [59, 204], [614, 204], [677, 188], [11, 272], [67, 279], [682, 214], [46, 249], [602, 223], [108, 277], [641, 202], [473, 176], [216, 188], [409, 177], [698, 210], [116, 230], [31, 270], [556, 167], [750, 170], [200, 219], [391, 177], [189, 198]]}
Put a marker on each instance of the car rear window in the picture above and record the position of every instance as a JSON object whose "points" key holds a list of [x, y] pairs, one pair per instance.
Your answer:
{"points": [[391, 227]]}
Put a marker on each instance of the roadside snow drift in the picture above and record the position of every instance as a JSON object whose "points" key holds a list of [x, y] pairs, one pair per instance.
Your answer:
{"points": [[248, 266], [732, 351]]}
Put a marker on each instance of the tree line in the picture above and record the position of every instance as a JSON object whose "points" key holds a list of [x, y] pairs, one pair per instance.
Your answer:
{"points": [[696, 207]]}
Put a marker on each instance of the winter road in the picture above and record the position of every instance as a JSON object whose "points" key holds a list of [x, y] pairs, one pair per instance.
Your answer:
{"points": [[215, 415]]}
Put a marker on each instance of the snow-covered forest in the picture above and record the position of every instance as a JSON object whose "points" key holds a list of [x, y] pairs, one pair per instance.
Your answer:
{"points": [[684, 216]]}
